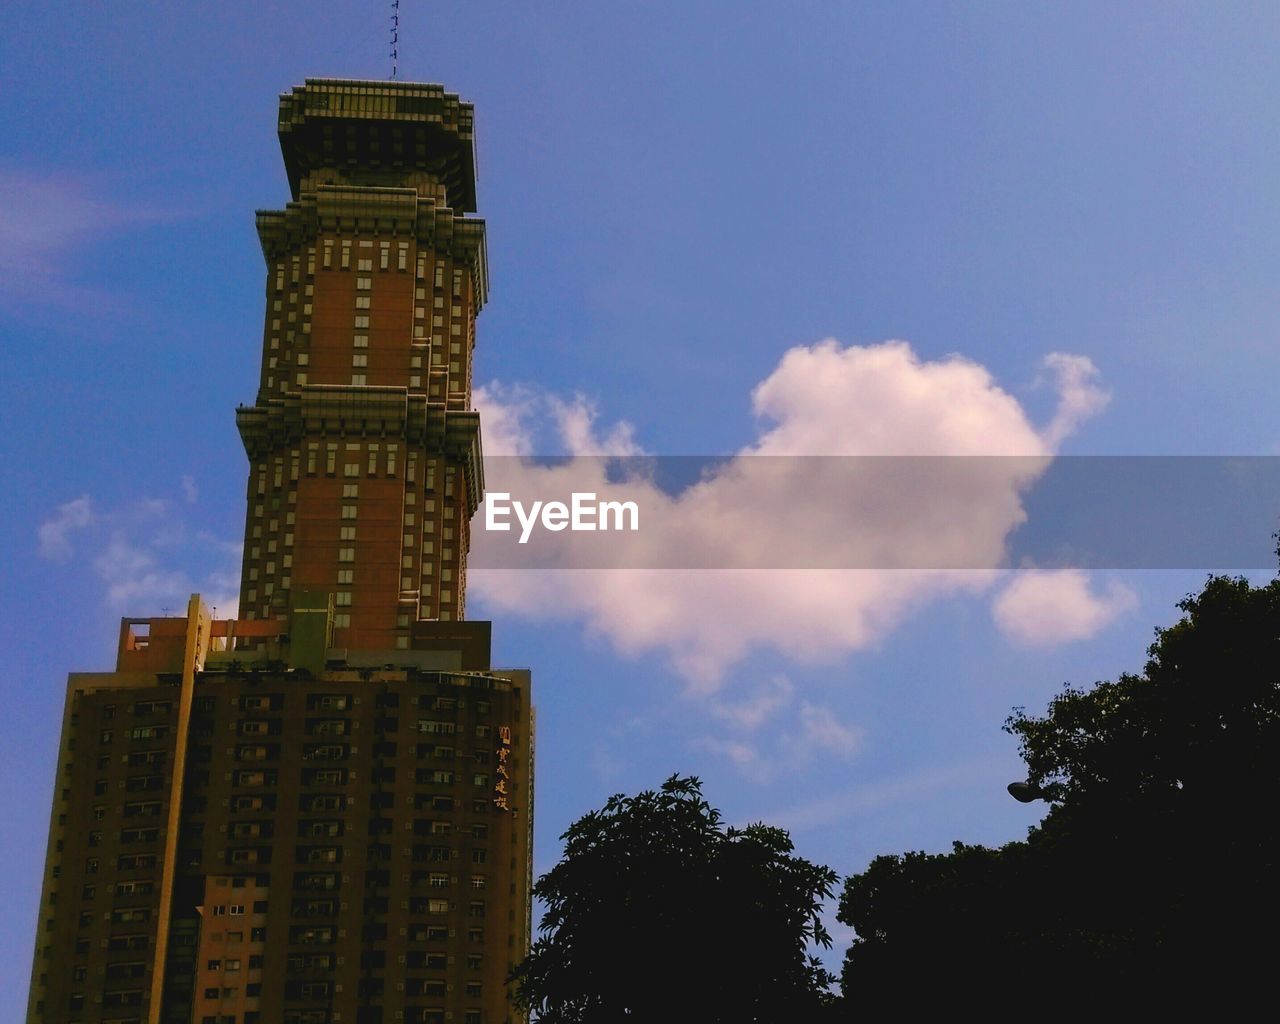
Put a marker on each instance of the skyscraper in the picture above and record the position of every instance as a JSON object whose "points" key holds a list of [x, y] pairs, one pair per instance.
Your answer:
{"points": [[320, 811]]}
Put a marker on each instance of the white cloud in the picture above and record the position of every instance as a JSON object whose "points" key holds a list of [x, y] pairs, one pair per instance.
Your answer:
{"points": [[742, 754], [133, 579], [55, 532], [900, 793], [506, 417], [45, 222], [822, 732], [761, 707], [143, 555], [189, 489], [576, 423], [1080, 396], [772, 733], [519, 420], [1041, 608], [824, 399]]}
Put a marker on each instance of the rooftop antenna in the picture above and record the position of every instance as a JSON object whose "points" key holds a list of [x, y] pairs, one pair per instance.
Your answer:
{"points": [[395, 38]]}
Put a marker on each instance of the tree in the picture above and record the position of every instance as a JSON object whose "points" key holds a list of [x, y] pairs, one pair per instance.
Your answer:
{"points": [[1157, 859], [657, 912]]}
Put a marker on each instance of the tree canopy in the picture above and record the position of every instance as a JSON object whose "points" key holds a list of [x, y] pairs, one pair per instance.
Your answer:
{"points": [[1157, 859], [658, 912]]}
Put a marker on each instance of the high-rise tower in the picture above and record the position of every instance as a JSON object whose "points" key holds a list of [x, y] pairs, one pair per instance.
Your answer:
{"points": [[319, 812], [364, 452]]}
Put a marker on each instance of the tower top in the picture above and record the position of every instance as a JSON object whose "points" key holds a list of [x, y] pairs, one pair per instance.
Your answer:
{"points": [[374, 133]]}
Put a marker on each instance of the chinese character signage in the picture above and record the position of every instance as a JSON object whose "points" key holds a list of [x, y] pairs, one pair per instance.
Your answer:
{"points": [[502, 779]]}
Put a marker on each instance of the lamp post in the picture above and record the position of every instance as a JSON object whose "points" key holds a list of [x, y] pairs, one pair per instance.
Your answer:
{"points": [[1026, 792]]}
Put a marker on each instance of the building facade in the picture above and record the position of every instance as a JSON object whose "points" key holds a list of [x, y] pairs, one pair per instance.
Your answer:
{"points": [[320, 811]]}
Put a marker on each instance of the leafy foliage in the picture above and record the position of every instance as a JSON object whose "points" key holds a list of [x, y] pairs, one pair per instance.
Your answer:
{"points": [[1157, 859], [657, 912]]}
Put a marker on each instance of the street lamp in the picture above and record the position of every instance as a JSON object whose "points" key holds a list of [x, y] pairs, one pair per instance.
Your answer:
{"points": [[1026, 792]]}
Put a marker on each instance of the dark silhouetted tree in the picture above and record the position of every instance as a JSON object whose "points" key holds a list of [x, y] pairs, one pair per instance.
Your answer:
{"points": [[1156, 865], [657, 912]]}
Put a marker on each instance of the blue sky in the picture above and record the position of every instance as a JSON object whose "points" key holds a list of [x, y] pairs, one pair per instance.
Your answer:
{"points": [[677, 196]]}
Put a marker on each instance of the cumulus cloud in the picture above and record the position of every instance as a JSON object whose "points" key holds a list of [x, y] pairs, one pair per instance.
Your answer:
{"points": [[55, 533], [506, 413], [828, 399], [517, 419], [773, 501], [1042, 608]]}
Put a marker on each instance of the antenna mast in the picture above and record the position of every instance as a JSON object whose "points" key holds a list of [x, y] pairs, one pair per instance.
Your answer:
{"points": [[395, 38]]}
